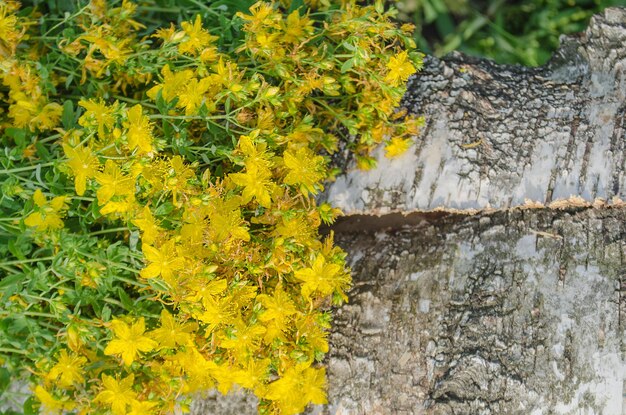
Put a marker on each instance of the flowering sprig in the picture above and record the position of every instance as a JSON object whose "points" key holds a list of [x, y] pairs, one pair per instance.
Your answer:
{"points": [[158, 206]]}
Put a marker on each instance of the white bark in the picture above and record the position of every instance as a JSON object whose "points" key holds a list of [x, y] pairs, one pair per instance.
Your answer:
{"points": [[500, 136]]}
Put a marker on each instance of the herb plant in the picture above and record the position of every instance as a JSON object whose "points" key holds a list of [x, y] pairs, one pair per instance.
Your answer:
{"points": [[159, 229]]}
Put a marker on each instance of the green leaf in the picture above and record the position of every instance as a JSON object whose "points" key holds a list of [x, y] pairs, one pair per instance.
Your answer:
{"points": [[42, 151], [5, 379], [164, 209], [347, 65], [295, 5], [106, 313], [67, 118], [162, 105], [17, 134], [31, 406], [6, 282], [127, 302], [15, 249]]}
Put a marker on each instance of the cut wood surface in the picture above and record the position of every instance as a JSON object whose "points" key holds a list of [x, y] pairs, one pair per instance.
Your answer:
{"points": [[519, 308]]}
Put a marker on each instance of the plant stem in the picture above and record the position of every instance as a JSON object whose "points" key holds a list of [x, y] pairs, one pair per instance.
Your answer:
{"points": [[104, 231], [21, 169], [10, 350], [26, 261]]}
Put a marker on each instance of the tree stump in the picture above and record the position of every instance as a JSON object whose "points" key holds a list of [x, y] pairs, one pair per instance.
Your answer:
{"points": [[489, 262]]}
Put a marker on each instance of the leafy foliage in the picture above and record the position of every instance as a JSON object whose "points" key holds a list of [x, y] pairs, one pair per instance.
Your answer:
{"points": [[158, 220], [523, 31]]}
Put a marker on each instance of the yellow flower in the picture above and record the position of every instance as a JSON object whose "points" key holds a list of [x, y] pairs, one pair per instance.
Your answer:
{"points": [[261, 14], [278, 306], [244, 338], [172, 83], [68, 369], [202, 288], [113, 183], [139, 130], [400, 68], [164, 261], [256, 184], [97, 114], [297, 28], [169, 34], [312, 335], [365, 162], [49, 404], [129, 340], [321, 277], [198, 370], [8, 28], [142, 408], [172, 333], [305, 169], [117, 394], [23, 110], [225, 222], [34, 113], [278, 309], [397, 146], [83, 163], [47, 214], [254, 375], [216, 312], [197, 38], [149, 228], [192, 94], [254, 153], [47, 117], [297, 387], [178, 176], [123, 205]]}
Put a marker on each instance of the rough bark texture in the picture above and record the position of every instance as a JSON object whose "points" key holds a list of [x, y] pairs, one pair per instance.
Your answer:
{"points": [[497, 136], [516, 312], [510, 310]]}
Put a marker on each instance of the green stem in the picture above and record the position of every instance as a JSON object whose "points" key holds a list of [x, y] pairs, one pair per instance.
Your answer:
{"points": [[21, 169], [9, 269], [115, 302], [50, 138], [10, 350], [159, 9], [135, 101], [26, 261], [116, 264], [65, 20], [40, 314], [104, 231], [205, 7]]}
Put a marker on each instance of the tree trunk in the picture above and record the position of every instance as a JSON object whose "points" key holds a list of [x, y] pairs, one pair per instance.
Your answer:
{"points": [[489, 262], [500, 136]]}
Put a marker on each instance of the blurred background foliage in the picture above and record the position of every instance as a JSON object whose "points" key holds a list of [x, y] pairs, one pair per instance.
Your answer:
{"points": [[523, 31]]}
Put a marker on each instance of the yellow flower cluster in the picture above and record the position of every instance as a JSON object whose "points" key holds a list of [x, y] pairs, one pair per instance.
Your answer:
{"points": [[209, 157], [27, 95]]}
